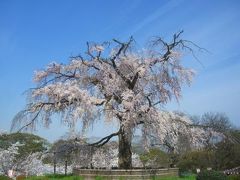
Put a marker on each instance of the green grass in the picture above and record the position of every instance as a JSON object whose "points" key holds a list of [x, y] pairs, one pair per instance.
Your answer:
{"points": [[2, 177], [71, 177], [99, 178], [163, 178], [55, 177], [177, 178]]}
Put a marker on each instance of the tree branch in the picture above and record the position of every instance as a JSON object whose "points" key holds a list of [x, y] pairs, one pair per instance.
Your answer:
{"points": [[104, 140], [134, 81], [32, 121]]}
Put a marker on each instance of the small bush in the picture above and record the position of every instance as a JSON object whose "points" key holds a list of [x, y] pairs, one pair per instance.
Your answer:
{"points": [[211, 175], [184, 173]]}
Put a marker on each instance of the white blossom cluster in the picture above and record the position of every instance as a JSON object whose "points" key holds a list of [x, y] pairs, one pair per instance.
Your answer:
{"points": [[2, 132], [108, 158], [7, 158], [105, 158]]}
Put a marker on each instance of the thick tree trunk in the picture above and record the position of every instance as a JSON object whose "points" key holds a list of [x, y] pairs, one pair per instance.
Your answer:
{"points": [[124, 150]]}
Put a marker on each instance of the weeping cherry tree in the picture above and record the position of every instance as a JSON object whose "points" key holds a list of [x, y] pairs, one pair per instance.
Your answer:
{"points": [[115, 82]]}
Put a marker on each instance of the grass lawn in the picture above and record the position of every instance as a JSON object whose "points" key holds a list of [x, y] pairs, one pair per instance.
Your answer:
{"points": [[62, 177], [55, 177], [176, 178]]}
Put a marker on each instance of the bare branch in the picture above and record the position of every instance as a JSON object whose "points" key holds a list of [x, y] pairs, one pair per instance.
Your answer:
{"points": [[176, 43]]}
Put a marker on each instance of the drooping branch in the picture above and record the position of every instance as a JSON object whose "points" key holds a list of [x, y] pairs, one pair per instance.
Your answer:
{"points": [[56, 78], [29, 123], [165, 143], [39, 107], [104, 140]]}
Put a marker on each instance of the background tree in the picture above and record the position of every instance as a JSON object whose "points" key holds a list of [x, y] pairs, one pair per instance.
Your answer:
{"points": [[116, 82], [217, 127], [216, 120], [75, 152], [196, 159], [155, 158], [220, 149], [30, 143], [227, 155]]}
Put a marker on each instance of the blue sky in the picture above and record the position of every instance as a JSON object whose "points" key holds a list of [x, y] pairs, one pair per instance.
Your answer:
{"points": [[34, 33]]}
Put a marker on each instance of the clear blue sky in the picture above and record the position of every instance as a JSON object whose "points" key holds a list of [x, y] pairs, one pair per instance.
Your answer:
{"points": [[34, 33]]}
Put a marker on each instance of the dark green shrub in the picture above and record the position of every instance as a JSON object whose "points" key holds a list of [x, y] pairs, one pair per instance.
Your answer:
{"points": [[190, 161], [211, 175], [185, 173]]}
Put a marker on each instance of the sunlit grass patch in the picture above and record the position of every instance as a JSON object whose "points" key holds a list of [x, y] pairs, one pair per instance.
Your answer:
{"points": [[55, 177]]}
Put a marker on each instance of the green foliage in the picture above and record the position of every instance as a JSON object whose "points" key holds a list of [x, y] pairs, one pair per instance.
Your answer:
{"points": [[211, 175], [227, 155], [155, 158], [32, 143], [2, 177], [224, 155], [196, 159], [233, 177]]}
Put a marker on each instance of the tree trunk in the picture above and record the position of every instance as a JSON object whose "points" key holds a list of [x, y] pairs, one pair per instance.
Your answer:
{"points": [[124, 150]]}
